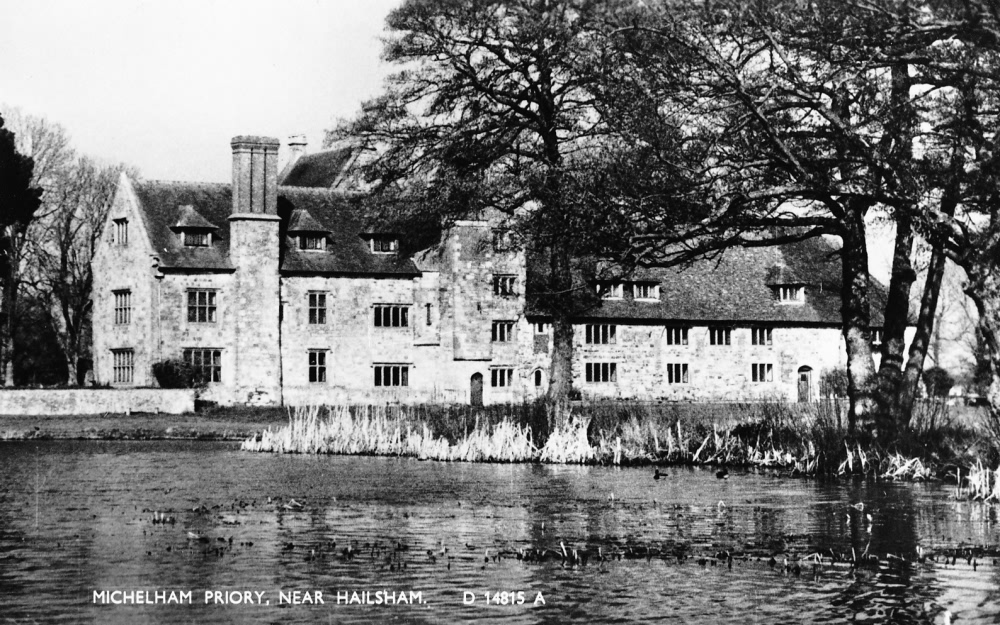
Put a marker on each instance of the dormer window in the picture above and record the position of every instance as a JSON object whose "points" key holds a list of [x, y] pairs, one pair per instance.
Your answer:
{"points": [[192, 228], [197, 238], [608, 289], [790, 294], [310, 234], [312, 242], [384, 244], [646, 290]]}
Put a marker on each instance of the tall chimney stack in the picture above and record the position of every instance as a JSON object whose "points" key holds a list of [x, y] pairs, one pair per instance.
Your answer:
{"points": [[255, 175]]}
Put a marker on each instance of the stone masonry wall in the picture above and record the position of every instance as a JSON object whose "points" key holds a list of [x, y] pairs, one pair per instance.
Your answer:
{"points": [[123, 267], [96, 401]]}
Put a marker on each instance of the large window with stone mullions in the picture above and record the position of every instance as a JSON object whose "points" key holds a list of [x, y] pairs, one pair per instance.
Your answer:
{"points": [[391, 316], [206, 363], [201, 306]]}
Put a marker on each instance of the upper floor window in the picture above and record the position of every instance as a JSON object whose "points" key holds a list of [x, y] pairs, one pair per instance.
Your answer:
{"points": [[207, 362], [677, 336], [503, 331], [504, 284], [383, 244], [601, 334], [540, 327], [123, 365], [312, 242], [760, 336], [646, 290], [121, 231], [762, 372], [390, 316], [317, 365], [317, 308], [609, 289], [790, 294], [877, 337], [501, 377], [196, 238], [123, 307], [201, 306], [719, 336]]}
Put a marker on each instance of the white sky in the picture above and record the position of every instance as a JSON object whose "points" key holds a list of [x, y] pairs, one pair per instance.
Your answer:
{"points": [[165, 84]]}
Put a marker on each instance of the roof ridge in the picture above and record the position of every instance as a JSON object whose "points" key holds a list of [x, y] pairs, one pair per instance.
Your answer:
{"points": [[312, 190], [185, 183]]}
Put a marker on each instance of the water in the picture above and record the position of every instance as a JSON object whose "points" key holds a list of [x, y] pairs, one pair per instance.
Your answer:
{"points": [[76, 517]]}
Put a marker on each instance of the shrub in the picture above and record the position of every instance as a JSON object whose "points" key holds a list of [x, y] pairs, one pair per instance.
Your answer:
{"points": [[175, 373], [938, 382]]}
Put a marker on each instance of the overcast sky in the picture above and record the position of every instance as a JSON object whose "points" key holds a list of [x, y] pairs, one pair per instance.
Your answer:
{"points": [[164, 85]]}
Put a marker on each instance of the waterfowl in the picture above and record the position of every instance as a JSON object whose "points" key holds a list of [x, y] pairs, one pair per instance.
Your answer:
{"points": [[722, 474], [657, 475]]}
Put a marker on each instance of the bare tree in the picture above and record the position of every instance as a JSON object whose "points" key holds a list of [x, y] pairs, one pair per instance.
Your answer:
{"points": [[78, 204]]}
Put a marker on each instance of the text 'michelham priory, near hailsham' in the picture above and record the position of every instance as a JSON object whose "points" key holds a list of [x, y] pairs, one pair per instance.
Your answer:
{"points": [[274, 289]]}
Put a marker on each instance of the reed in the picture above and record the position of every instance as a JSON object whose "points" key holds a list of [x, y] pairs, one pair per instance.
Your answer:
{"points": [[799, 439]]}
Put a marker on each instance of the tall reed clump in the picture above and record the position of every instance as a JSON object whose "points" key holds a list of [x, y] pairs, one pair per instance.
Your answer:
{"points": [[981, 483], [804, 439]]}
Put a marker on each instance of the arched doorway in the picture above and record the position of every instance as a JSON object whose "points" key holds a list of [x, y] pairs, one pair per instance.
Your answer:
{"points": [[476, 389], [805, 384], [538, 378]]}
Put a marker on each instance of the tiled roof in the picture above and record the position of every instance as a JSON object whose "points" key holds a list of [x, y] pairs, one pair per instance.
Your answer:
{"points": [[347, 253], [735, 288], [321, 169]]}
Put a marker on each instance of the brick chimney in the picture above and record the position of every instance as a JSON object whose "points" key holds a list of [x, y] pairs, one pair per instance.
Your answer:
{"points": [[255, 175]]}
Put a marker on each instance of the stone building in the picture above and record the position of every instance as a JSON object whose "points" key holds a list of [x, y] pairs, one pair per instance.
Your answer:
{"points": [[273, 288]]}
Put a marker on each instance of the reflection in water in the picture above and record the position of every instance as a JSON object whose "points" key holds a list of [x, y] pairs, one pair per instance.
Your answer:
{"points": [[76, 517]]}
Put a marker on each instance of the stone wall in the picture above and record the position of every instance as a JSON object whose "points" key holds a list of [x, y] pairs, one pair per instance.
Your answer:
{"points": [[96, 401], [123, 267]]}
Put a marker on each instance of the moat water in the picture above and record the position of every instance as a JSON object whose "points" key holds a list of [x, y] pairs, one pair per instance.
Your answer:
{"points": [[77, 526]]}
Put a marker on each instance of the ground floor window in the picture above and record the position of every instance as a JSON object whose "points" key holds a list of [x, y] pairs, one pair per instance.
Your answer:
{"points": [[602, 372], [392, 375], [123, 365], [677, 373], [206, 362], [502, 377], [317, 365], [538, 378], [762, 372]]}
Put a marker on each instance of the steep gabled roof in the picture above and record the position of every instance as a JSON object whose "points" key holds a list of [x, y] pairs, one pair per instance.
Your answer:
{"points": [[320, 170], [348, 253], [735, 288]]}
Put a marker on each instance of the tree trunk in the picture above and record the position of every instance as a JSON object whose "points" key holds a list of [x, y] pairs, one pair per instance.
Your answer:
{"points": [[857, 318], [560, 287], [921, 340], [895, 316], [985, 293]]}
